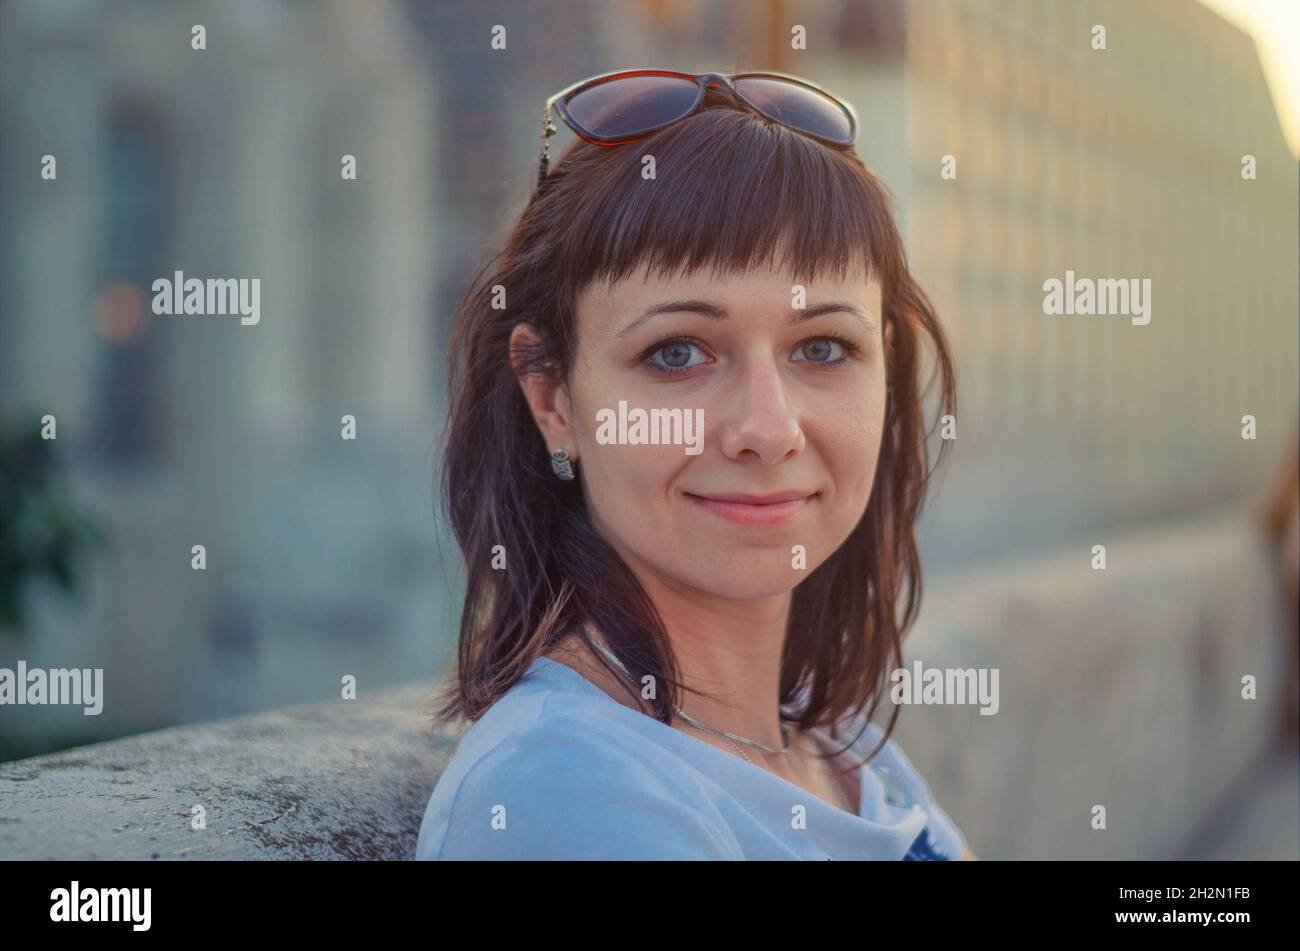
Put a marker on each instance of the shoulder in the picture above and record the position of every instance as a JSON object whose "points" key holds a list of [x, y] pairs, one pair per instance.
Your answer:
{"points": [[570, 783], [899, 782]]}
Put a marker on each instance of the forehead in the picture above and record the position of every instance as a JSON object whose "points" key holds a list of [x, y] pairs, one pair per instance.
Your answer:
{"points": [[759, 290]]}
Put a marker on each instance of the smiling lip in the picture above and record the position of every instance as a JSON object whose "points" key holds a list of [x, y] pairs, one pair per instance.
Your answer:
{"points": [[743, 509]]}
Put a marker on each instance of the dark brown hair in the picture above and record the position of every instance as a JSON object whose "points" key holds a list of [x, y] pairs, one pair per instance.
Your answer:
{"points": [[732, 190]]}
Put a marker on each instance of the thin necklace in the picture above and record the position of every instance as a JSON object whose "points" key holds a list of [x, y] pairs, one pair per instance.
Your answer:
{"points": [[731, 738]]}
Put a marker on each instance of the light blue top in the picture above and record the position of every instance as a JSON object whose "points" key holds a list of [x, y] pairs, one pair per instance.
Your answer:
{"points": [[558, 769]]}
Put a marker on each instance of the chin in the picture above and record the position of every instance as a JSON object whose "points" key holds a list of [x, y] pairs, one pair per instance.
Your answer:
{"points": [[731, 578]]}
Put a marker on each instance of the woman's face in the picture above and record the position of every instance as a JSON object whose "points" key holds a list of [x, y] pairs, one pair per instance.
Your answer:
{"points": [[790, 390]]}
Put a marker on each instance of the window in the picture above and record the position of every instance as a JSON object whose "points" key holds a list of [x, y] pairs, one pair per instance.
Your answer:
{"points": [[135, 397]]}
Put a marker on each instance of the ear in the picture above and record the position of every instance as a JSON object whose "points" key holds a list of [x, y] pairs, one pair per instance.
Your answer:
{"points": [[547, 397], [888, 333]]}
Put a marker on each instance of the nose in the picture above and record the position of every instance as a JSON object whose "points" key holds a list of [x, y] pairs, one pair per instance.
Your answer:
{"points": [[761, 425]]}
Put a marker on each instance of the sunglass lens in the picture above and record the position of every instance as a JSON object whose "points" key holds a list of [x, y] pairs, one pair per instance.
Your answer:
{"points": [[797, 105], [632, 104]]}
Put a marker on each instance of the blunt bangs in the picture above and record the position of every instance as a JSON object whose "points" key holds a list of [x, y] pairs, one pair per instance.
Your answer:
{"points": [[731, 191]]}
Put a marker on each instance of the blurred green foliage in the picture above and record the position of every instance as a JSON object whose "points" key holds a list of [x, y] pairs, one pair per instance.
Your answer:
{"points": [[42, 535]]}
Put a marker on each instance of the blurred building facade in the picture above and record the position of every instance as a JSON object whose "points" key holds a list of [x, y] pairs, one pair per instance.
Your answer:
{"points": [[183, 430], [1122, 163]]}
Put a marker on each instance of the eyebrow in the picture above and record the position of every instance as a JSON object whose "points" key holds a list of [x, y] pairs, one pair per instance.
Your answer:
{"points": [[715, 312]]}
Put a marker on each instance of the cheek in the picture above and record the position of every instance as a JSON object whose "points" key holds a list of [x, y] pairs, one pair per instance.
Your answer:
{"points": [[626, 484], [850, 434]]}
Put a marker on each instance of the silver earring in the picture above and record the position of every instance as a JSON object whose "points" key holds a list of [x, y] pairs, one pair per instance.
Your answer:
{"points": [[561, 465]]}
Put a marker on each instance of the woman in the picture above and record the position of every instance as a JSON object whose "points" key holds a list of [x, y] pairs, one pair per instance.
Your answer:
{"points": [[673, 393]]}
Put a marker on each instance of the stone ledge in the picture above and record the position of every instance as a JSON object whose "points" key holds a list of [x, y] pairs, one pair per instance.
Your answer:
{"points": [[342, 779]]}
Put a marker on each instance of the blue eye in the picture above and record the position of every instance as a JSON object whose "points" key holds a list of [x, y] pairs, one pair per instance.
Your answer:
{"points": [[823, 350], [673, 356], [820, 350]]}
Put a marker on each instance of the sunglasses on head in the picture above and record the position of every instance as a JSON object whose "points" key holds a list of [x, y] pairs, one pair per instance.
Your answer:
{"points": [[617, 107]]}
